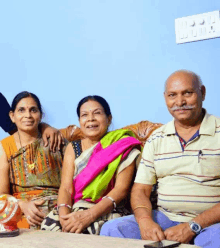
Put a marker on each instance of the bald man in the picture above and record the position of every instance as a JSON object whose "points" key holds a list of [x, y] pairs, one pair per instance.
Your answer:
{"points": [[183, 157]]}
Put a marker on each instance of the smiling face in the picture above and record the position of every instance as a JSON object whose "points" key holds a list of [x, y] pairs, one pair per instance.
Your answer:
{"points": [[93, 120], [27, 115], [184, 97]]}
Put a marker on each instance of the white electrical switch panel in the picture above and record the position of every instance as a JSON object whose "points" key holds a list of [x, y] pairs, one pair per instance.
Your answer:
{"points": [[197, 27]]}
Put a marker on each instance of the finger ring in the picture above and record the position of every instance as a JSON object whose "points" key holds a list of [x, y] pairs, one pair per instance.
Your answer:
{"points": [[28, 217]]}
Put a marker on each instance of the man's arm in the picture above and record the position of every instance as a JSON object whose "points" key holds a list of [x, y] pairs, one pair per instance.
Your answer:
{"points": [[184, 234], [209, 217], [140, 195], [141, 205], [56, 137]]}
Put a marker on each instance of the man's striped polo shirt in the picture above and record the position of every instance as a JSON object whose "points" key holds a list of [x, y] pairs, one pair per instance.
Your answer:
{"points": [[189, 178]]}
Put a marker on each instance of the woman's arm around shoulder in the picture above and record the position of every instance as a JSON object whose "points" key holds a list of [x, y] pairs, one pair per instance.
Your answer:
{"points": [[4, 175]]}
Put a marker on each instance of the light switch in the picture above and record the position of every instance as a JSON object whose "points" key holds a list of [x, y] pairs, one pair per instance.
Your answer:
{"points": [[184, 23], [191, 23], [212, 19], [209, 19], [185, 35], [194, 32], [201, 21], [197, 27], [190, 33]]}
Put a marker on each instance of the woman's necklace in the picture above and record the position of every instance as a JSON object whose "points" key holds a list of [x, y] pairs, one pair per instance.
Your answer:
{"points": [[30, 166]]}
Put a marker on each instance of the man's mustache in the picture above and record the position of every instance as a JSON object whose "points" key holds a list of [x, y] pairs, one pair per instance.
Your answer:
{"points": [[182, 108]]}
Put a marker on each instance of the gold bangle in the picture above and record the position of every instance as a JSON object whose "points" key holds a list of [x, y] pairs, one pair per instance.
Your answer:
{"points": [[142, 206]]}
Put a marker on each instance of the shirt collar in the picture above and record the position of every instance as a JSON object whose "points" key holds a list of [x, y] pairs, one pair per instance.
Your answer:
{"points": [[207, 126]]}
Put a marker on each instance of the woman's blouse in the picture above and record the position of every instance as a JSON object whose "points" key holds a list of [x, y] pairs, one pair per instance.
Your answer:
{"points": [[35, 171]]}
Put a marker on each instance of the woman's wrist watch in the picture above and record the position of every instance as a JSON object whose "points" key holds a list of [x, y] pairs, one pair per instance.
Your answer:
{"points": [[195, 227]]}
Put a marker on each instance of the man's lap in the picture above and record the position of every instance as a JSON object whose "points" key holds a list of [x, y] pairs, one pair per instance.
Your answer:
{"points": [[127, 227]]}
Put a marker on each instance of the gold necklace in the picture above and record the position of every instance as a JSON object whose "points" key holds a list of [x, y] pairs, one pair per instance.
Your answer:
{"points": [[30, 166]]}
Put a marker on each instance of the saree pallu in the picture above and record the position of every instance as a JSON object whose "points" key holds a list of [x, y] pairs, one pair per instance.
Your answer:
{"points": [[96, 176], [82, 163], [34, 172]]}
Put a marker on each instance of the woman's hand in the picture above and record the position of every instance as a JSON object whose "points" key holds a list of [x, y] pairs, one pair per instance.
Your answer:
{"points": [[30, 209], [76, 222]]}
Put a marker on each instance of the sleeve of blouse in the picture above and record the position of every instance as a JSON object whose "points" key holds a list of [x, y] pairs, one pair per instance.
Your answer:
{"points": [[134, 154]]}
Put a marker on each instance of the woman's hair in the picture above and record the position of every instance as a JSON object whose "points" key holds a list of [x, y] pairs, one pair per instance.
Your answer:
{"points": [[98, 99], [25, 94]]}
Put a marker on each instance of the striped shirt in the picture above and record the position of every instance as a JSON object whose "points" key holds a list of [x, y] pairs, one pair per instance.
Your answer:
{"points": [[189, 178]]}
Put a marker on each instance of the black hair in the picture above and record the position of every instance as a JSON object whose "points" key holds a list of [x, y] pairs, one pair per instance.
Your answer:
{"points": [[98, 99], [25, 94]]}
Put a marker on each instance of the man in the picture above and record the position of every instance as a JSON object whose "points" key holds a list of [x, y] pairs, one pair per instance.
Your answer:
{"points": [[183, 156], [56, 137]]}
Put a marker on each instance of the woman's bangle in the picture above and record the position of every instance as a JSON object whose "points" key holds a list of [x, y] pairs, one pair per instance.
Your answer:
{"points": [[142, 206], [110, 198], [63, 205], [144, 217]]}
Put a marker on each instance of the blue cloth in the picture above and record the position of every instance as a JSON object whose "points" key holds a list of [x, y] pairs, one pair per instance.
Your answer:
{"points": [[5, 121], [127, 227]]}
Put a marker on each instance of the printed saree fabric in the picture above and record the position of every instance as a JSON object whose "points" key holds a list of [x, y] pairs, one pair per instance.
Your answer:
{"points": [[96, 168], [35, 172], [95, 172]]}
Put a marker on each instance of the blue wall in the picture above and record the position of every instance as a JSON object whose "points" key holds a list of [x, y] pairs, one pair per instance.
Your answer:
{"points": [[120, 49]]}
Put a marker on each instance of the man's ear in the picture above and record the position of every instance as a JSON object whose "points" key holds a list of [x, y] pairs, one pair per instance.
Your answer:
{"points": [[11, 115], [203, 90]]}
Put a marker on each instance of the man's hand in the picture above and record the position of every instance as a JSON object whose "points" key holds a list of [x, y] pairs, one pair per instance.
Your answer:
{"points": [[150, 230], [181, 233], [76, 222], [56, 137]]}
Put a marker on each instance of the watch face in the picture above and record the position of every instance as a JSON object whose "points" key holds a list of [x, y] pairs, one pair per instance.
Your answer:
{"points": [[195, 227]]}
